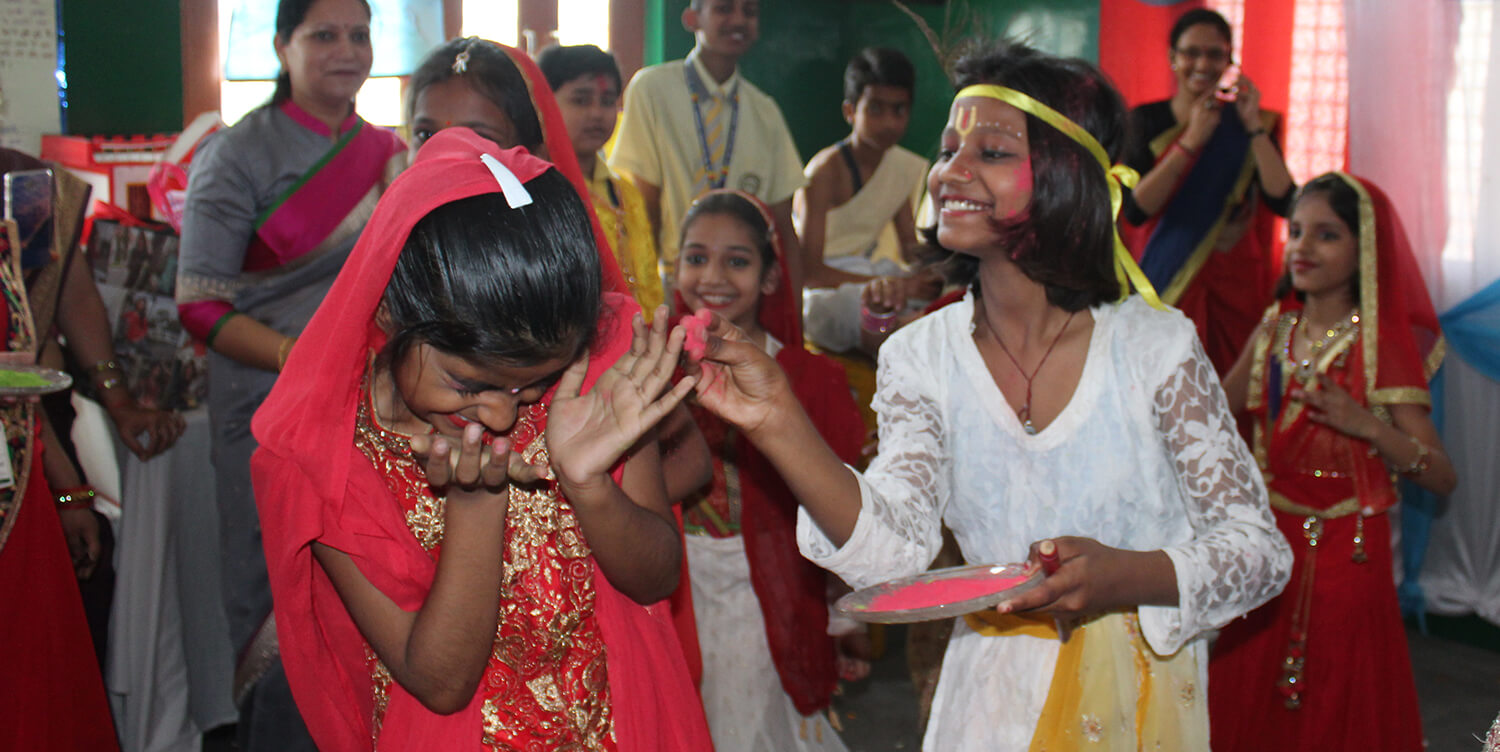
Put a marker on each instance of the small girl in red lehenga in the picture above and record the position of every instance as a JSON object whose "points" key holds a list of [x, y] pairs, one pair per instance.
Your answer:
{"points": [[1335, 380], [760, 607], [461, 496]]}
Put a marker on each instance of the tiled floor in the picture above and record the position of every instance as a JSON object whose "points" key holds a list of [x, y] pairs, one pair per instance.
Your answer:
{"points": [[1459, 687]]}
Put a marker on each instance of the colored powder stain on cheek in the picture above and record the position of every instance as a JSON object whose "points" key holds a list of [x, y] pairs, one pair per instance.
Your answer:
{"points": [[1021, 191], [942, 592]]}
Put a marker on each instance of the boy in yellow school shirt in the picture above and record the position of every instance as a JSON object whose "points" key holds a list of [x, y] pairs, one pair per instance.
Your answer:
{"points": [[696, 124]]}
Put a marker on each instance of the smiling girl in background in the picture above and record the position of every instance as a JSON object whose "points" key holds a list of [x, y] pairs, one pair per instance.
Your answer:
{"points": [[760, 607], [1335, 381]]}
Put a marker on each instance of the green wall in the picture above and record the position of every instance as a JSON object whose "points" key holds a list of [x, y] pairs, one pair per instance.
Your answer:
{"points": [[124, 69], [124, 66], [804, 46]]}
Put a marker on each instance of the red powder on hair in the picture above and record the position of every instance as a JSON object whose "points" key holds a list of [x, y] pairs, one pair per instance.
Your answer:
{"points": [[943, 592]]}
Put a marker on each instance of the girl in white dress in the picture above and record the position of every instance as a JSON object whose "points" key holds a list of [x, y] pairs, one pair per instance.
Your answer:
{"points": [[1046, 405]]}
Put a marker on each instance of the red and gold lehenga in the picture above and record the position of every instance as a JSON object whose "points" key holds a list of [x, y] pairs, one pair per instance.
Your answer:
{"points": [[576, 664], [1325, 664]]}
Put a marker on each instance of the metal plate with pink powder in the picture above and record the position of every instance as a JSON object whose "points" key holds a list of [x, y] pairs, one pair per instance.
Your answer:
{"points": [[939, 594]]}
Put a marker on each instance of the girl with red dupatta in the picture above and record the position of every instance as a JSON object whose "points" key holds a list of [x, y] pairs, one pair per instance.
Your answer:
{"points": [[501, 94], [1335, 380], [761, 609], [460, 492], [274, 206]]}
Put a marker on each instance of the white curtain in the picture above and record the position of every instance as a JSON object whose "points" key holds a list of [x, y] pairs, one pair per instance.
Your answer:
{"points": [[1421, 79], [1398, 112]]}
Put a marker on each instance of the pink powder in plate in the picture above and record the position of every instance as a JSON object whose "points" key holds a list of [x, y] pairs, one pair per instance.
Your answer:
{"points": [[943, 592]]}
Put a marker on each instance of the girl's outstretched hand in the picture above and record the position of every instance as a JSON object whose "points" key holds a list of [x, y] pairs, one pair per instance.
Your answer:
{"points": [[737, 380], [588, 433]]}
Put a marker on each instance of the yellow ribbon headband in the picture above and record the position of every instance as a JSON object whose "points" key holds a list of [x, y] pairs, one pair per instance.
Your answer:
{"points": [[1126, 270]]}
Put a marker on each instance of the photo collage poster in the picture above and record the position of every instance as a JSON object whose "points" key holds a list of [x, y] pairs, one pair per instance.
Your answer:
{"points": [[136, 270]]}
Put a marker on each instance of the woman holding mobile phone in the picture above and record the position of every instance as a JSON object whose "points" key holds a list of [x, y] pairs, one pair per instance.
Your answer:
{"points": [[1212, 182]]}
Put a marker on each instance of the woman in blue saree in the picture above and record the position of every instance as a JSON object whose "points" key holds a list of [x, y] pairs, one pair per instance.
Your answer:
{"points": [[1212, 184]]}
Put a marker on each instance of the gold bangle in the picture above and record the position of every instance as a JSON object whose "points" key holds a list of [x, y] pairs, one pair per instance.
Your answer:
{"points": [[1421, 463], [284, 352], [107, 374], [76, 498]]}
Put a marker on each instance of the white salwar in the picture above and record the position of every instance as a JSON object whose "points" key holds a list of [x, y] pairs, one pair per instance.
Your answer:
{"points": [[1145, 456], [747, 709]]}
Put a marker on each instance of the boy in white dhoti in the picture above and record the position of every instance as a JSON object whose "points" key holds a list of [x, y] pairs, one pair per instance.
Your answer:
{"points": [[856, 188]]}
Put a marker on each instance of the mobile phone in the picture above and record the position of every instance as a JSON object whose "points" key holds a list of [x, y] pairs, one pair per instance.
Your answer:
{"points": [[28, 202], [1228, 87]]}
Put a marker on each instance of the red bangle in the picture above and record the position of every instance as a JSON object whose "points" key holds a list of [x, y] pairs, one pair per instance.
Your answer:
{"points": [[1191, 154], [877, 323]]}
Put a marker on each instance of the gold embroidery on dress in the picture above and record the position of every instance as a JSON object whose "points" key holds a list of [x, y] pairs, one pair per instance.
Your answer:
{"points": [[544, 689], [380, 685], [547, 685], [391, 454]]}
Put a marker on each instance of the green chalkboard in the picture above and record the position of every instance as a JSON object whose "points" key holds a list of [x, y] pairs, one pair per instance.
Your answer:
{"points": [[804, 46], [124, 66]]}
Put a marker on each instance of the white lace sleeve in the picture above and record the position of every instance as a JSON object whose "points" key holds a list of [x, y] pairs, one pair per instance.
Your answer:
{"points": [[1237, 558], [899, 530]]}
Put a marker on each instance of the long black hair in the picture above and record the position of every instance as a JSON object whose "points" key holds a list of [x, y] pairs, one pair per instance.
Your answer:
{"points": [[1064, 238], [289, 15], [482, 281], [488, 71]]}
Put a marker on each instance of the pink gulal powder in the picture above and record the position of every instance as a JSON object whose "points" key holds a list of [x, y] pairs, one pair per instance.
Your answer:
{"points": [[943, 592], [696, 329]]}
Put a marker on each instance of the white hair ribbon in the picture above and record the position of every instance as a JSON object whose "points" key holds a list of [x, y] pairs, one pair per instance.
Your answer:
{"points": [[515, 193]]}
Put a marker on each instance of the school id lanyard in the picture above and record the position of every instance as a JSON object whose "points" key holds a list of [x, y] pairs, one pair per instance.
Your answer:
{"points": [[716, 175]]}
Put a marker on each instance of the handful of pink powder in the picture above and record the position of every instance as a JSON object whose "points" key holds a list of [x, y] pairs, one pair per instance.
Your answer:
{"points": [[696, 328]]}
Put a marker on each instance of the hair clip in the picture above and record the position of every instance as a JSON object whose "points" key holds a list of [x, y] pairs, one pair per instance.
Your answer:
{"points": [[461, 61], [516, 194]]}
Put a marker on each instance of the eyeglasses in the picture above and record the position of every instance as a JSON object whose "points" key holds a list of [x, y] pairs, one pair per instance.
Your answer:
{"points": [[1213, 54]]}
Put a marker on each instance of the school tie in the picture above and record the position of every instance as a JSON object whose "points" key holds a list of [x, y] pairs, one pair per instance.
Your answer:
{"points": [[717, 119], [713, 125]]}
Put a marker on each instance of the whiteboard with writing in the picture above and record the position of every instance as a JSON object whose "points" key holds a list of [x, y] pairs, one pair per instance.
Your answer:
{"points": [[28, 73]]}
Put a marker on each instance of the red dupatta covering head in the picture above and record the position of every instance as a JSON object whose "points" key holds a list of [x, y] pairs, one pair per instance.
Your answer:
{"points": [[1397, 348], [554, 132], [791, 590], [313, 484], [322, 376], [1402, 341]]}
